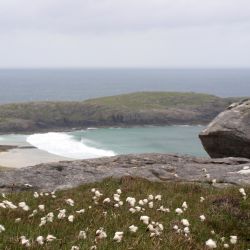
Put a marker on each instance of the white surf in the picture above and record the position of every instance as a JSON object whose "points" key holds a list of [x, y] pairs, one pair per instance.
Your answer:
{"points": [[65, 145]]}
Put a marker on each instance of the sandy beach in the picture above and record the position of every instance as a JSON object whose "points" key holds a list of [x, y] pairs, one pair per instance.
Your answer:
{"points": [[23, 157]]}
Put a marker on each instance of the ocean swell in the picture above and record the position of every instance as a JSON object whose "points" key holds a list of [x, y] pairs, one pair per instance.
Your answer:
{"points": [[65, 145]]}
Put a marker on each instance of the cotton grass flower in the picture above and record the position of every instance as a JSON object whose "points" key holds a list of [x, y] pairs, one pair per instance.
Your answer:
{"points": [[81, 211], [158, 197], [25, 242], [145, 219], [17, 220], [40, 240], [71, 218], [62, 214], [151, 204], [202, 217], [118, 236], [70, 202], [36, 195], [150, 197], [185, 222], [75, 248], [43, 221], [163, 209], [41, 207], [24, 206], [233, 239], [50, 238], [82, 235], [100, 234], [131, 201], [2, 228], [243, 192], [178, 211], [116, 197], [133, 228], [226, 245], [118, 191], [211, 244], [106, 200], [50, 217], [184, 205], [202, 199], [186, 230]]}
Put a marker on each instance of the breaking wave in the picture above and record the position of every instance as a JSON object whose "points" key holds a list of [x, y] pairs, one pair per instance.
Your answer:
{"points": [[65, 145]]}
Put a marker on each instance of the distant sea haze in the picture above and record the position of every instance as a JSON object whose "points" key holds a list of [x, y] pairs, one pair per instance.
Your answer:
{"points": [[80, 84]]}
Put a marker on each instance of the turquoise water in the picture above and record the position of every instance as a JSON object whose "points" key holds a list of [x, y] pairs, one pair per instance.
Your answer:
{"points": [[167, 139], [92, 143]]}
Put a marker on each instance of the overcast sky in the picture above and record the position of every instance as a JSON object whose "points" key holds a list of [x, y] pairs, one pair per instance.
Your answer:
{"points": [[124, 33]]}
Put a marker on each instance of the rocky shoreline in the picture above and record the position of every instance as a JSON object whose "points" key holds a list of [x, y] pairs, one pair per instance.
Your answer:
{"points": [[153, 167], [145, 108]]}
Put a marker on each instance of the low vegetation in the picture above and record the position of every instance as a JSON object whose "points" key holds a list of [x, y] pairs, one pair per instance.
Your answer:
{"points": [[127, 214], [156, 108]]}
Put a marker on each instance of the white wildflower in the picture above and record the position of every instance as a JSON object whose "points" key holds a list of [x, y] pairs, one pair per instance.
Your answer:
{"points": [[17, 220], [150, 197], [226, 245], [118, 236], [131, 201], [70, 202], [2, 228], [158, 197], [202, 199], [81, 211], [50, 237], [62, 214], [144, 219], [118, 191], [151, 204], [25, 242], [50, 217], [100, 234], [186, 230], [185, 222], [40, 240], [107, 200], [43, 221], [163, 209], [178, 211], [75, 248], [71, 218], [41, 207], [82, 235], [202, 217], [184, 205], [36, 195], [133, 228], [233, 239], [211, 244]]}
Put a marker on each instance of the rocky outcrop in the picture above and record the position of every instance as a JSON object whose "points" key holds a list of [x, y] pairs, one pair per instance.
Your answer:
{"points": [[154, 167], [228, 135], [146, 108]]}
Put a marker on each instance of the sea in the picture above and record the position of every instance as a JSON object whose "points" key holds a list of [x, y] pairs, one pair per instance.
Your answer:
{"points": [[22, 85]]}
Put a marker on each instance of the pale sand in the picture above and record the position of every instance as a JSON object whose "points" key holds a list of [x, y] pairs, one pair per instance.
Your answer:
{"points": [[23, 157]]}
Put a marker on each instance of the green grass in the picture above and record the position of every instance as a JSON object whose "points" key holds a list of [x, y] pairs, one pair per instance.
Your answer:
{"points": [[154, 100], [225, 210]]}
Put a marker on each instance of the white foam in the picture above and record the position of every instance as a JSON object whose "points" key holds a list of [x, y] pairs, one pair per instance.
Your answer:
{"points": [[65, 145]]}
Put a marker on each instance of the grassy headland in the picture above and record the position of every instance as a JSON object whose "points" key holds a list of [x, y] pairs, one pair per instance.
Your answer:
{"points": [[154, 108], [226, 213]]}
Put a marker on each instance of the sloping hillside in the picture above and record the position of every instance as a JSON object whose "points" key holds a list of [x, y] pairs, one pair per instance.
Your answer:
{"points": [[156, 108]]}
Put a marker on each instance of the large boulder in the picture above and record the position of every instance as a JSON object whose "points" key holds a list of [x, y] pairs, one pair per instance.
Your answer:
{"points": [[228, 135]]}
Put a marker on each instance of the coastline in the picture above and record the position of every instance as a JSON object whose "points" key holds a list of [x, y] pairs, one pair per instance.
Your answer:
{"points": [[20, 157]]}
